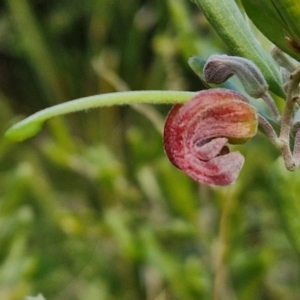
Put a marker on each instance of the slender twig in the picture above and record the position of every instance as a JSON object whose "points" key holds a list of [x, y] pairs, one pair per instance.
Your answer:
{"points": [[292, 98]]}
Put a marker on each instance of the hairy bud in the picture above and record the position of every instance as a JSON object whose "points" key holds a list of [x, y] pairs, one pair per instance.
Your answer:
{"points": [[219, 68]]}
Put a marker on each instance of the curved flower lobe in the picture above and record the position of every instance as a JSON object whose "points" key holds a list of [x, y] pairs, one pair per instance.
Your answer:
{"points": [[196, 134]]}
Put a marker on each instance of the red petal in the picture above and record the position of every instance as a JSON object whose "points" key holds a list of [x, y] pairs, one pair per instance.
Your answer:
{"points": [[196, 133]]}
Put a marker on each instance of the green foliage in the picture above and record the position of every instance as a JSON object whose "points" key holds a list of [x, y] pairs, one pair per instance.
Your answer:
{"points": [[91, 208], [277, 21], [32, 125]]}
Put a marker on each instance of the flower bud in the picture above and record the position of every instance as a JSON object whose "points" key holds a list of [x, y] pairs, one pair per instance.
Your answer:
{"points": [[219, 68], [196, 134]]}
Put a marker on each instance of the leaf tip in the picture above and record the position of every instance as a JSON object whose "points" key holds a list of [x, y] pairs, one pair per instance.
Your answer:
{"points": [[20, 131]]}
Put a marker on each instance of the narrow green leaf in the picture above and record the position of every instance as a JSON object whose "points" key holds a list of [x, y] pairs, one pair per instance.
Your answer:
{"points": [[269, 21], [228, 21], [32, 125], [289, 10]]}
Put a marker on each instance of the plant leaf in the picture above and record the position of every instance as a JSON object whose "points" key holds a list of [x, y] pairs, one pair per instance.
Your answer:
{"points": [[289, 10], [32, 125], [269, 21]]}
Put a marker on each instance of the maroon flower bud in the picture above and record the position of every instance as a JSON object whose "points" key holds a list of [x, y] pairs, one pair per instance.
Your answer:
{"points": [[196, 134]]}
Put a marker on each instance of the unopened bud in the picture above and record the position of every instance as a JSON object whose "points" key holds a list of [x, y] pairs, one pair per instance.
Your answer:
{"points": [[219, 68]]}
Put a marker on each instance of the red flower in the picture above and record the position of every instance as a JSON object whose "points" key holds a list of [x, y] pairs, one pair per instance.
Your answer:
{"points": [[196, 134]]}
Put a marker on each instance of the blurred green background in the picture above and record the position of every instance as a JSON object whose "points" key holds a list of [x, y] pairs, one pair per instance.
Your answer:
{"points": [[91, 208]]}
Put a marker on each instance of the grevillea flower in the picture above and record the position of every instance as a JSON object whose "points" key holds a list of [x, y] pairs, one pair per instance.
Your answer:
{"points": [[196, 135]]}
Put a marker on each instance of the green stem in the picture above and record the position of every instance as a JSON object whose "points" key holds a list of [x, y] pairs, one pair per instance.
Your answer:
{"points": [[32, 125]]}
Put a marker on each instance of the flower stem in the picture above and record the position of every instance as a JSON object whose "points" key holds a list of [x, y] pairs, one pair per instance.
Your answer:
{"points": [[292, 98]]}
